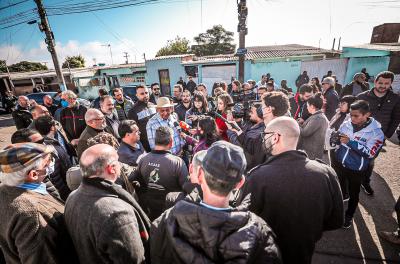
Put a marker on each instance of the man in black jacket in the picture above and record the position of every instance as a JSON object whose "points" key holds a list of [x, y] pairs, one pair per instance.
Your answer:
{"points": [[184, 106], [48, 103], [155, 92], [385, 108], [331, 97], [356, 87], [298, 197], [159, 172], [141, 113], [107, 108], [72, 118], [209, 229], [191, 85], [46, 126], [274, 104], [22, 117]]}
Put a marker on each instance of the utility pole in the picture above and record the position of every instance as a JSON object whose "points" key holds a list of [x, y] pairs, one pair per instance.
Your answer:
{"points": [[109, 45], [9, 76], [126, 57], [242, 29], [44, 26]]}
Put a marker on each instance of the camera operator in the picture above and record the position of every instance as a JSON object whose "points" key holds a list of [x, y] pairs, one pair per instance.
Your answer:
{"points": [[252, 130], [199, 107], [360, 138], [248, 93], [274, 104]]}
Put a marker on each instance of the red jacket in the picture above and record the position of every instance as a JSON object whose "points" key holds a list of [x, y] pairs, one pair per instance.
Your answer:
{"points": [[222, 127]]}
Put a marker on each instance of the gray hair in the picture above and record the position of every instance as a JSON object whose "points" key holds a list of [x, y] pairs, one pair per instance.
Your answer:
{"points": [[95, 168], [163, 136], [91, 113], [69, 94], [17, 177]]}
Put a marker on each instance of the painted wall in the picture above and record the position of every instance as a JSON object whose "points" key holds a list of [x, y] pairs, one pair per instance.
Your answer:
{"points": [[117, 71], [279, 70], [374, 66], [357, 52], [176, 70], [320, 68]]}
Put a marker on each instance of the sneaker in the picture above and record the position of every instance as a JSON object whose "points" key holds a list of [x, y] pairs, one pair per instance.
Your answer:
{"points": [[392, 237], [347, 222], [367, 189]]}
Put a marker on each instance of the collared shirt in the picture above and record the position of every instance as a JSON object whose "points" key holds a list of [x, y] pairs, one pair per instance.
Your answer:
{"points": [[214, 208], [35, 187], [155, 122]]}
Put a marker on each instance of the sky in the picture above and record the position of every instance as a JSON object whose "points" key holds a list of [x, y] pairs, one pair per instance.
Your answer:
{"points": [[145, 29]]}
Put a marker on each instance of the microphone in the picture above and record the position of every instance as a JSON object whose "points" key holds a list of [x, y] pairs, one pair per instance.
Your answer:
{"points": [[176, 125], [234, 125]]}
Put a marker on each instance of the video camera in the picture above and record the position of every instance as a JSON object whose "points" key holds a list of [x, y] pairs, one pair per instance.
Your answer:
{"points": [[242, 110]]}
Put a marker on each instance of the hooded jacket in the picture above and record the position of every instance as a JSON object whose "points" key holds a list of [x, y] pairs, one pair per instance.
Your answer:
{"points": [[193, 233], [363, 146]]}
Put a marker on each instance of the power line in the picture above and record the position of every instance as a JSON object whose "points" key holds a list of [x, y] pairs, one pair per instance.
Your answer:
{"points": [[10, 5]]}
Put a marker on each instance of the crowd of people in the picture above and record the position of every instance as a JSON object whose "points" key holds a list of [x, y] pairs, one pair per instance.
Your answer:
{"points": [[236, 177]]}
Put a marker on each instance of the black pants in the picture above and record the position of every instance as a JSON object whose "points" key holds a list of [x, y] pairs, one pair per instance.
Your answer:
{"points": [[397, 209], [367, 178], [353, 180]]}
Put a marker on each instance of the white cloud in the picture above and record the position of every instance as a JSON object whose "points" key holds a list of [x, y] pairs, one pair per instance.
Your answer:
{"points": [[89, 50]]}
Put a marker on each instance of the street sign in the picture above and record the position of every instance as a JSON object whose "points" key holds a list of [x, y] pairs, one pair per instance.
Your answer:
{"points": [[241, 51]]}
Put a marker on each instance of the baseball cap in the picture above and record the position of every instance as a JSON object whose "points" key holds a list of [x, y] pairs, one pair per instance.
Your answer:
{"points": [[18, 156], [329, 80], [224, 161]]}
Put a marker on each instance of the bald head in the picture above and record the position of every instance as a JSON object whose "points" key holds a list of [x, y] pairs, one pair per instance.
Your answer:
{"points": [[47, 100], [23, 101], [100, 160], [288, 129], [38, 111]]}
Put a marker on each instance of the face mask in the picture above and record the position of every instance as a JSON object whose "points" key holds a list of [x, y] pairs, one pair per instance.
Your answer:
{"points": [[50, 168], [268, 149], [64, 103]]}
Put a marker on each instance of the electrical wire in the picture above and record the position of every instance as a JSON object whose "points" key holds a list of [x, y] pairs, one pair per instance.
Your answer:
{"points": [[10, 5]]}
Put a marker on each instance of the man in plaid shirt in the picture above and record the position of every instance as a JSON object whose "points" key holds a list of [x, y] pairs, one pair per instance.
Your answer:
{"points": [[164, 117]]}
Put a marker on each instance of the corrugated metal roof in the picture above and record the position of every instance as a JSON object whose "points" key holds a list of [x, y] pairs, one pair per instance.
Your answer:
{"points": [[378, 46], [171, 57]]}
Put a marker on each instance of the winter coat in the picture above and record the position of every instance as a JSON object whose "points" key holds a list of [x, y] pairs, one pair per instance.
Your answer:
{"points": [[299, 198], [298, 108], [363, 146], [251, 132], [73, 120], [331, 102], [112, 124], [385, 110], [128, 154], [312, 135], [141, 113], [222, 127], [181, 110], [192, 232], [89, 132], [191, 86], [348, 89], [61, 165], [302, 79], [193, 111], [123, 109], [32, 228], [22, 117], [106, 224]]}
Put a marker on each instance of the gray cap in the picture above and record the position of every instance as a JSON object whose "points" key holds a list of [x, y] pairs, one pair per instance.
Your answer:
{"points": [[225, 161]]}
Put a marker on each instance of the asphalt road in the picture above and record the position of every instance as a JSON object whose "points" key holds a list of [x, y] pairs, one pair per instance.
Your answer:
{"points": [[359, 244]]}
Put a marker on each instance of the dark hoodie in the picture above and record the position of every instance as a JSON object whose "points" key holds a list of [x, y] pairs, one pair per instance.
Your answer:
{"points": [[192, 233]]}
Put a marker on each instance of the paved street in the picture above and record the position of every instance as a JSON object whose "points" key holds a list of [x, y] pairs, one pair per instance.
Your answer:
{"points": [[360, 243]]}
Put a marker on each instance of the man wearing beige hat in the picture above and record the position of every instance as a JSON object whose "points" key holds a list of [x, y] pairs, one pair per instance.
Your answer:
{"points": [[164, 117], [32, 229]]}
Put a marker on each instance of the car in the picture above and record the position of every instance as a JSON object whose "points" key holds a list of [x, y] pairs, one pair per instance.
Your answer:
{"points": [[38, 97]]}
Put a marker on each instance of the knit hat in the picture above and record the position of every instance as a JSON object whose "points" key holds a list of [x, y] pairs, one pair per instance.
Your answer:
{"points": [[18, 156], [225, 161]]}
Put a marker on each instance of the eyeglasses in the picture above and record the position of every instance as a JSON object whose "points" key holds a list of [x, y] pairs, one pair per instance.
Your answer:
{"points": [[98, 119], [263, 134], [144, 93]]}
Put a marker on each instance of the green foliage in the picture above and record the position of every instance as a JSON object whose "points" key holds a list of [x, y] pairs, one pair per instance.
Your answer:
{"points": [[216, 40], [74, 62], [27, 66], [3, 66], [174, 47]]}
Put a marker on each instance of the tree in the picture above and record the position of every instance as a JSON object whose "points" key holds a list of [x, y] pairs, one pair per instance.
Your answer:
{"points": [[74, 62], [175, 47], [27, 66], [216, 40], [3, 66]]}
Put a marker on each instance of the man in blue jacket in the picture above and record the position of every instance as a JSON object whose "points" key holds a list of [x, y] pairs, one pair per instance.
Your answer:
{"points": [[361, 139]]}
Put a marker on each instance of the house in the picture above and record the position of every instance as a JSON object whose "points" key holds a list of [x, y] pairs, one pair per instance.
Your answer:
{"points": [[281, 61]]}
